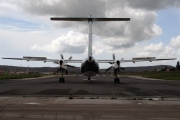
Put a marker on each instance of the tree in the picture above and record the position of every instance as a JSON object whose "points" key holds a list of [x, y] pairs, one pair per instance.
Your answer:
{"points": [[178, 66]]}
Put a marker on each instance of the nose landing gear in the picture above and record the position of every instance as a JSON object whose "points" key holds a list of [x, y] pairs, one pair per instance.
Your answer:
{"points": [[89, 79]]}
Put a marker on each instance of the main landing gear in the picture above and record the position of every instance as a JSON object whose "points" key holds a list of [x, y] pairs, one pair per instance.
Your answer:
{"points": [[62, 79], [116, 79]]}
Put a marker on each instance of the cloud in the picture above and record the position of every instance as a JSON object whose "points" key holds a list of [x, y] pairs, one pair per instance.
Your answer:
{"points": [[7, 6], [85, 7], [121, 38], [169, 51], [125, 34], [64, 7], [116, 35], [159, 50], [154, 47], [72, 42], [175, 42], [153, 4], [143, 54]]}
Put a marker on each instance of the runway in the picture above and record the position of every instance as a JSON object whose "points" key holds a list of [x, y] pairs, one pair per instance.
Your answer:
{"points": [[78, 99], [99, 86]]}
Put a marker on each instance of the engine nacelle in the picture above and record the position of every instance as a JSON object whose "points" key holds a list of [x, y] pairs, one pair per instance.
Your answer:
{"points": [[116, 64], [62, 64]]}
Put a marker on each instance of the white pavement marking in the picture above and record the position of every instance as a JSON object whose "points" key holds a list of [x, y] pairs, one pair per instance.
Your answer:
{"points": [[65, 100], [143, 78], [32, 103]]}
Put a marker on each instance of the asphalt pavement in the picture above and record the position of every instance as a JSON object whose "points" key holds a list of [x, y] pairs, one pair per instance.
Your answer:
{"points": [[77, 99], [76, 85]]}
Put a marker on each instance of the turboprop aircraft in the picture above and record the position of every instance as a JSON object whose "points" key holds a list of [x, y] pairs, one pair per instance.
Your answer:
{"points": [[89, 67]]}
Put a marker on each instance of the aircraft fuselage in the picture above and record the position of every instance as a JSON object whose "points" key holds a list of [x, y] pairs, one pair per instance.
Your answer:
{"points": [[89, 68]]}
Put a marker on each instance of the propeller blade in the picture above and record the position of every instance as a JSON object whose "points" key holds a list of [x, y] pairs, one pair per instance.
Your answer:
{"points": [[114, 57], [56, 62], [108, 68], [71, 66], [62, 57], [111, 63], [70, 57]]}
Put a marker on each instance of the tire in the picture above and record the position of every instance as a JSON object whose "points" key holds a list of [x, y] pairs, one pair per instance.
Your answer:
{"points": [[114, 80], [63, 80], [60, 80], [118, 81]]}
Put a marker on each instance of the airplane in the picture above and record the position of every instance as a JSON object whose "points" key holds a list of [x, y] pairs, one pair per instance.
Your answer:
{"points": [[90, 66]]}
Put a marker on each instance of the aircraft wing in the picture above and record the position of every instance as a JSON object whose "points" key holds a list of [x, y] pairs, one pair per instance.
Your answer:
{"points": [[105, 61], [73, 61], [28, 58], [43, 59], [142, 59], [56, 61], [14, 58], [122, 61], [150, 59]]}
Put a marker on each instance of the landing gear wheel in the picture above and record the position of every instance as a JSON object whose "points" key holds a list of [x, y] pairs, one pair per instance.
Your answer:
{"points": [[89, 79], [61, 80], [116, 81]]}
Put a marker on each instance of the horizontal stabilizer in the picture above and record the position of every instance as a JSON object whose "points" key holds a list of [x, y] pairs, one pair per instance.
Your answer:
{"points": [[88, 19]]}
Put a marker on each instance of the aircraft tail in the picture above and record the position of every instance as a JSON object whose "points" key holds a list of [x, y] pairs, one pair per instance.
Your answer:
{"points": [[90, 21], [90, 40]]}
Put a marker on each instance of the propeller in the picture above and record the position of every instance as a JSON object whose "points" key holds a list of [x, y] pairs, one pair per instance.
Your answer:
{"points": [[115, 64], [109, 68], [63, 65]]}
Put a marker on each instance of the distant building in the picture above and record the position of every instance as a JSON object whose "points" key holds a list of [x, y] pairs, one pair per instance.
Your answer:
{"points": [[167, 70]]}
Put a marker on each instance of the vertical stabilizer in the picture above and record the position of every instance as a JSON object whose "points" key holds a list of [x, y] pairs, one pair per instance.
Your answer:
{"points": [[90, 40]]}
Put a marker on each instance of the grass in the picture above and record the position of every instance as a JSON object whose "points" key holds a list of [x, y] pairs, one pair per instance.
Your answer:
{"points": [[174, 75], [18, 76]]}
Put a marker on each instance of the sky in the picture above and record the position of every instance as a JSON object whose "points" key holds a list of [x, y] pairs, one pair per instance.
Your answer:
{"points": [[26, 30]]}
